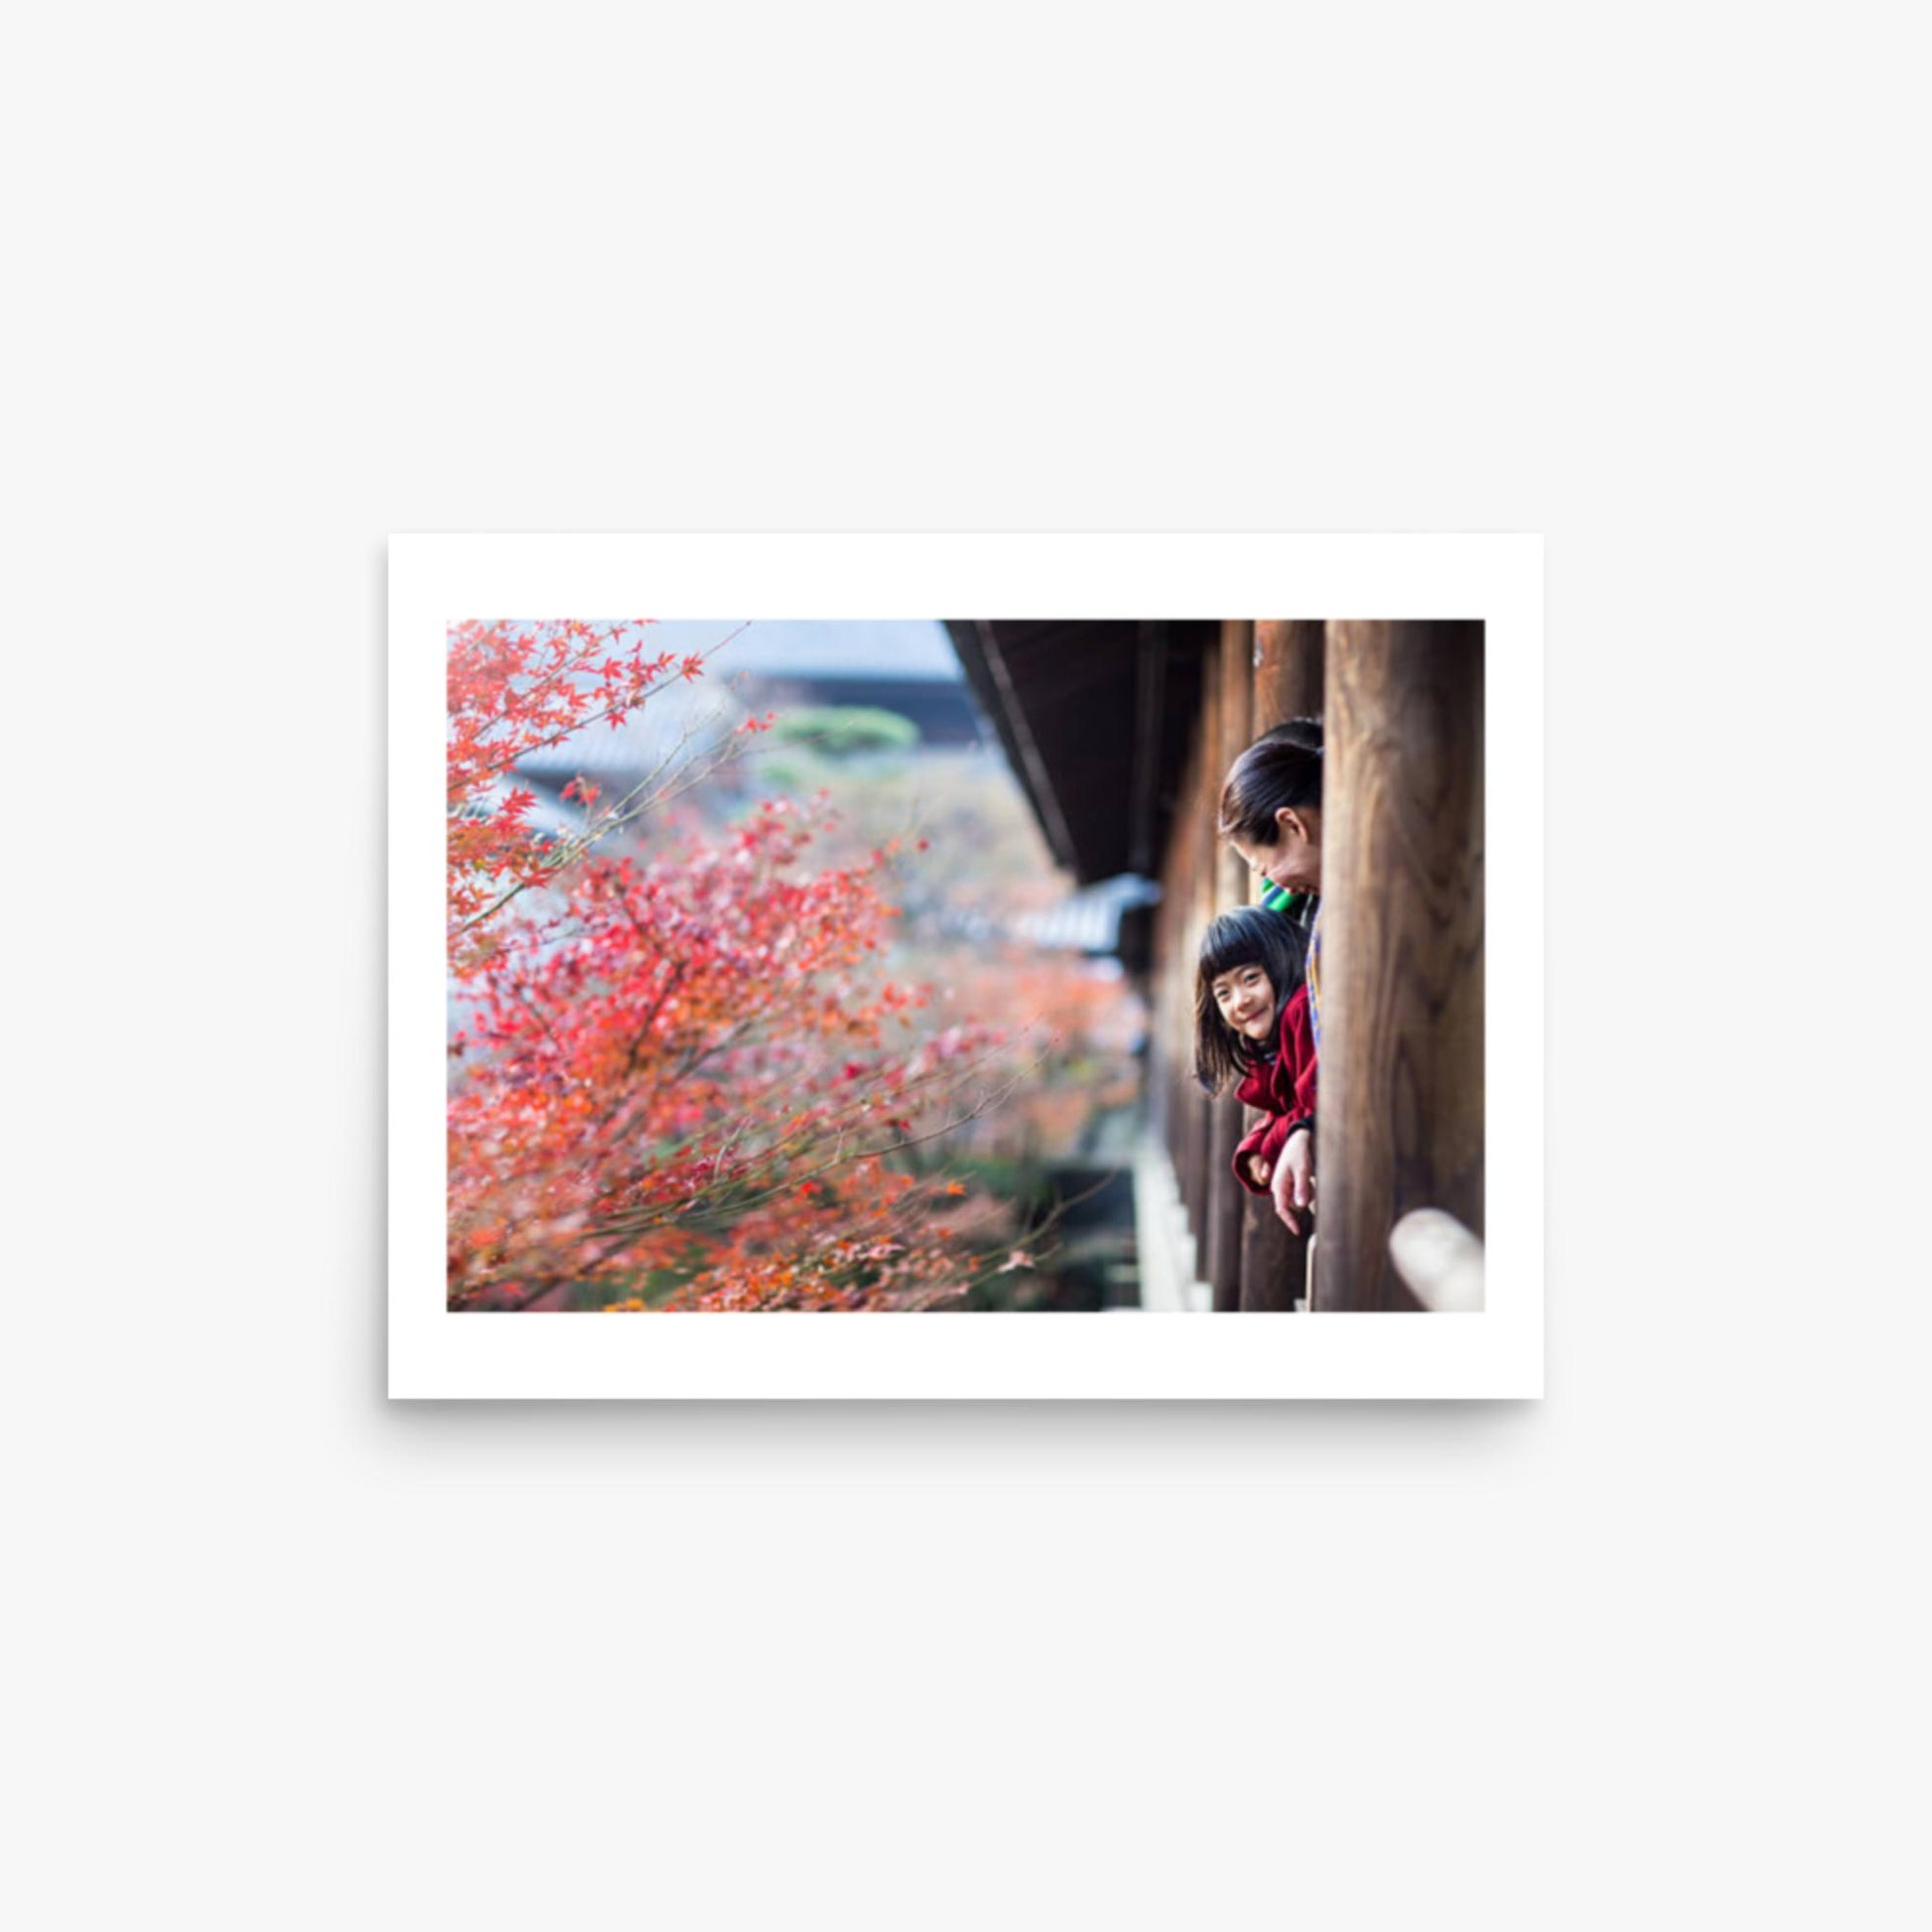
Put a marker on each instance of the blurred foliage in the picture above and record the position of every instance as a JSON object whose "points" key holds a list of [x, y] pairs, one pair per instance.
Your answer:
{"points": [[845, 731], [973, 865], [963, 866]]}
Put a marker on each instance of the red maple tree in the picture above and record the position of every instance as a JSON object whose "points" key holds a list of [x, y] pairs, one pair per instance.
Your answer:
{"points": [[682, 1078]]}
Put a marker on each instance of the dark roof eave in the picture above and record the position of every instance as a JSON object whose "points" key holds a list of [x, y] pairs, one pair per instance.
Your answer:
{"points": [[1095, 718], [977, 644]]}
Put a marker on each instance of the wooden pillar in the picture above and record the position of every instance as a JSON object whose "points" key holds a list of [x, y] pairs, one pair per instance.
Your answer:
{"points": [[1287, 684], [1237, 729], [1287, 671], [1160, 1050], [1229, 719], [1200, 846], [1190, 1146], [1400, 1108]]}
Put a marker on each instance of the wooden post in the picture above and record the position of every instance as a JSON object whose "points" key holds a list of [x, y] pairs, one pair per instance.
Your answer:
{"points": [[1287, 675], [1191, 1142], [1160, 1051], [1287, 671], [1401, 1109], [1200, 902], [1227, 880]]}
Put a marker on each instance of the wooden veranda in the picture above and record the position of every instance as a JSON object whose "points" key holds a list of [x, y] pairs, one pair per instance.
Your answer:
{"points": [[1121, 734]]}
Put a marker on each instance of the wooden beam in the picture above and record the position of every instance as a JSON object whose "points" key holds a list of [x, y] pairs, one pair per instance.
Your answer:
{"points": [[1035, 773], [1287, 670], [1182, 884], [1149, 678], [1230, 718], [1286, 682], [1401, 1109]]}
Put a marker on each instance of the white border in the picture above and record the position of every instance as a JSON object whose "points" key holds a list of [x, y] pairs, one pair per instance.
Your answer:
{"points": [[1496, 578]]}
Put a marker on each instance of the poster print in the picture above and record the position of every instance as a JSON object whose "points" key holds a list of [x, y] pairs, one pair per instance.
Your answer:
{"points": [[1022, 969]]}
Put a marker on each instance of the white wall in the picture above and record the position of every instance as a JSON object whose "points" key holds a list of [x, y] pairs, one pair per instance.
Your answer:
{"points": [[283, 1654]]}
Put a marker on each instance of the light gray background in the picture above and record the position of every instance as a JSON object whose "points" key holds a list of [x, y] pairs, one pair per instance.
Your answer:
{"points": [[1648, 281]]}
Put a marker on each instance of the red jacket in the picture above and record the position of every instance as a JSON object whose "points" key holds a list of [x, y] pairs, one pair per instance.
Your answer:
{"points": [[1282, 1088]]}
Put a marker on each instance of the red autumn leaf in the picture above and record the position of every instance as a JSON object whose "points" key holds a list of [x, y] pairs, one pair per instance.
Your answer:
{"points": [[674, 1081]]}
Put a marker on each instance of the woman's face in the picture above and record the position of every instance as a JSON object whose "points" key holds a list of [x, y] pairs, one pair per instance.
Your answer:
{"points": [[1294, 860], [1246, 998]]}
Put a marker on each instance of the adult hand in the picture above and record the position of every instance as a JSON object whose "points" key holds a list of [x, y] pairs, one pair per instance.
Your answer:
{"points": [[1294, 1184]]}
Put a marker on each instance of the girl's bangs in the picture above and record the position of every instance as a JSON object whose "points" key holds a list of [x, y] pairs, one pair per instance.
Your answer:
{"points": [[1225, 948], [1253, 935]]}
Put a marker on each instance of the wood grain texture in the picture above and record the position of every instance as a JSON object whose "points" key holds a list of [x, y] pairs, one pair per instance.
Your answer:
{"points": [[1230, 718], [1287, 657], [1189, 889], [1400, 1114], [1235, 731], [1285, 665]]}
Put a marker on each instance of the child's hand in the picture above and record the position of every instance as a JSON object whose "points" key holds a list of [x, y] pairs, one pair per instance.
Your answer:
{"points": [[1258, 1169], [1293, 1186]]}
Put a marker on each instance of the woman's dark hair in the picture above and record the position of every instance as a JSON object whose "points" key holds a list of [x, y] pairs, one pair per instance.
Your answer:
{"points": [[1249, 936], [1281, 770]]}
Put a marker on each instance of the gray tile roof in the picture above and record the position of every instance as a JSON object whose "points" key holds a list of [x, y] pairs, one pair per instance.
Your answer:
{"points": [[761, 651]]}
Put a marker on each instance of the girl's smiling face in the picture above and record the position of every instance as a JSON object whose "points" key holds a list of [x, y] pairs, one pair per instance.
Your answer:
{"points": [[1246, 998]]}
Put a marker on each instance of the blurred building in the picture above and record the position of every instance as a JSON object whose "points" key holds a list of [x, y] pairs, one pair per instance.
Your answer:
{"points": [[905, 668]]}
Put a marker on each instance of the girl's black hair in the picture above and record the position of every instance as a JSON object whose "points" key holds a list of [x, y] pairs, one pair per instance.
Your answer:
{"points": [[1281, 770], [1249, 936]]}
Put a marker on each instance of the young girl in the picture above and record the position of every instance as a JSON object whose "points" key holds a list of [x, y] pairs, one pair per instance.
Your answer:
{"points": [[1271, 814], [1251, 1025]]}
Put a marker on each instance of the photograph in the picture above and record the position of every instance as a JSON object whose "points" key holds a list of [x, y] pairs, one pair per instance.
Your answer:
{"points": [[962, 965]]}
